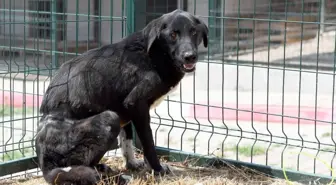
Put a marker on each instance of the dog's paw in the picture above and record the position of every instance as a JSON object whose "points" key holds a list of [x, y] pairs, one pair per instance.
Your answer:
{"points": [[135, 164], [166, 169]]}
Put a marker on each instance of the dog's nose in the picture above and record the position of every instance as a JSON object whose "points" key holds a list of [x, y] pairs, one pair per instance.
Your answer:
{"points": [[189, 57]]}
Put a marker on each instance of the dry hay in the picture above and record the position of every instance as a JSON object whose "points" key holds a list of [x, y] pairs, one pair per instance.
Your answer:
{"points": [[183, 174]]}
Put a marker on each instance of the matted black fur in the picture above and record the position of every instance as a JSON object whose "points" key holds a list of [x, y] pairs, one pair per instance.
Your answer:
{"points": [[69, 151], [127, 77]]}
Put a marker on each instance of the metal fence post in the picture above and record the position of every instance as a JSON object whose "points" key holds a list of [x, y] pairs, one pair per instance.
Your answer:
{"points": [[322, 16], [130, 16], [262, 42], [129, 30], [53, 12], [212, 27]]}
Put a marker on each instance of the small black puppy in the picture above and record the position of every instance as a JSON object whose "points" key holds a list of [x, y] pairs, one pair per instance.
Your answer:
{"points": [[129, 77], [69, 151]]}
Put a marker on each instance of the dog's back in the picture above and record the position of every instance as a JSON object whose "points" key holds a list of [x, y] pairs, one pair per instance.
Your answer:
{"points": [[98, 79]]}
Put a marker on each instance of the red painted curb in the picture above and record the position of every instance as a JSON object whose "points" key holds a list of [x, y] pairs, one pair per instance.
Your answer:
{"points": [[19, 99], [229, 113], [202, 111]]}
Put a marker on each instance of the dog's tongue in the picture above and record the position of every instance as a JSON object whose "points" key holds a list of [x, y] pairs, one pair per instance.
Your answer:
{"points": [[189, 66]]}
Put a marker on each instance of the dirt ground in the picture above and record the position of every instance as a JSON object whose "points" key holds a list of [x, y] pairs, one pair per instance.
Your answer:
{"points": [[182, 174]]}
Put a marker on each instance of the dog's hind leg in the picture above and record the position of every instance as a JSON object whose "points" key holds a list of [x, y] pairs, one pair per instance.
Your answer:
{"points": [[69, 150], [126, 145]]}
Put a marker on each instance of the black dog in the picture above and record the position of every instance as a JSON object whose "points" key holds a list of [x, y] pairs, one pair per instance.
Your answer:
{"points": [[129, 77], [69, 151]]}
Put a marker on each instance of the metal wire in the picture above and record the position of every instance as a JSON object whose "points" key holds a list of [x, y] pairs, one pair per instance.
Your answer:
{"points": [[36, 38], [263, 91]]}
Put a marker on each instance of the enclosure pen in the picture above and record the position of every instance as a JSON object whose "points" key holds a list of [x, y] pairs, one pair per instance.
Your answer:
{"points": [[259, 109]]}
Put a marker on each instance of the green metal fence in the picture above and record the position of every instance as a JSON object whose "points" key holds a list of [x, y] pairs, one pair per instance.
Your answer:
{"points": [[35, 38], [262, 94]]}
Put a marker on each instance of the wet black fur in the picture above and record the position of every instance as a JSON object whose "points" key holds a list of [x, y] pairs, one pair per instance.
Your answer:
{"points": [[125, 77]]}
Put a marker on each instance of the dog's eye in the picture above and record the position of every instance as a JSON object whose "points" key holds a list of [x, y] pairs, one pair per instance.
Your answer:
{"points": [[173, 35]]}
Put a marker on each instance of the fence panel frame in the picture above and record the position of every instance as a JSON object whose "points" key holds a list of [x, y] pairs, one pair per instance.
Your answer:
{"points": [[24, 164]]}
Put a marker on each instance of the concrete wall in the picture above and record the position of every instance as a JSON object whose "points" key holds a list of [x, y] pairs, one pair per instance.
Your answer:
{"points": [[246, 6], [201, 10], [111, 31], [13, 29], [85, 30], [85, 24]]}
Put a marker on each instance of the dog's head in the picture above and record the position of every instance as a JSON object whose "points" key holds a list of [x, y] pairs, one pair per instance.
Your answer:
{"points": [[179, 33]]}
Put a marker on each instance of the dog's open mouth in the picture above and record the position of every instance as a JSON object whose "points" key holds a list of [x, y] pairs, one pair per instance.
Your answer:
{"points": [[189, 67]]}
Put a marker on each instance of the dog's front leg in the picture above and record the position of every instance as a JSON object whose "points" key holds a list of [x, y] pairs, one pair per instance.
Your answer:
{"points": [[141, 123], [138, 108], [149, 86], [142, 126]]}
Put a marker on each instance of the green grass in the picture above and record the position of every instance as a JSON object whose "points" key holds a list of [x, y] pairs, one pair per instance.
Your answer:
{"points": [[16, 154], [290, 147], [277, 145], [327, 134], [192, 139], [5, 110], [247, 150], [291, 168], [219, 153], [329, 149], [170, 141]]}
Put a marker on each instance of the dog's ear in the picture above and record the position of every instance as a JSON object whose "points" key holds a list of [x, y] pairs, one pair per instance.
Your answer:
{"points": [[153, 29], [204, 29]]}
